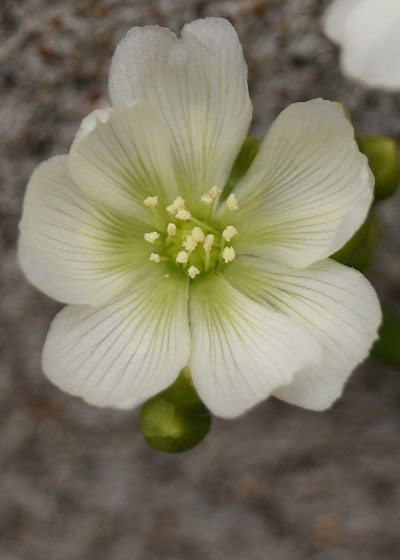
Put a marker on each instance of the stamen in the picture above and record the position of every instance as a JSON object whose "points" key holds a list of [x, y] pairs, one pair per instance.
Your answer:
{"points": [[178, 204], [171, 229], [228, 254], [209, 242], [155, 257], [215, 191], [207, 199], [151, 237], [198, 234], [183, 214], [182, 257], [193, 271], [190, 243], [229, 232], [151, 201], [232, 203]]}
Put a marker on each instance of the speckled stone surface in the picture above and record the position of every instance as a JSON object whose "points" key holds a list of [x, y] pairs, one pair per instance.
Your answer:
{"points": [[79, 483]]}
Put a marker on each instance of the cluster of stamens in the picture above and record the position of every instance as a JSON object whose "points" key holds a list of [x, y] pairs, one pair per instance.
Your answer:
{"points": [[185, 234]]}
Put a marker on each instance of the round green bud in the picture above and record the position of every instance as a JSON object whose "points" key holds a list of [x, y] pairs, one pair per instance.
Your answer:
{"points": [[175, 420], [383, 158], [167, 428]]}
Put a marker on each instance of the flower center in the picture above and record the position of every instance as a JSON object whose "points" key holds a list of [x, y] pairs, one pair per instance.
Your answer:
{"points": [[194, 246]]}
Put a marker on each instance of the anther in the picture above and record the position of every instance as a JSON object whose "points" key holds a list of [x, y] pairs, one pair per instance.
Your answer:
{"points": [[206, 198], [182, 257], [193, 271], [155, 257], [190, 243], [229, 232], [171, 229], [151, 237], [228, 254], [232, 203], [215, 191], [198, 234], [178, 204], [183, 214], [208, 242], [151, 201]]}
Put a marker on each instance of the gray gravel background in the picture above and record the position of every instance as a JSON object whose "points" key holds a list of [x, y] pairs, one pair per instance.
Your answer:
{"points": [[78, 483]]}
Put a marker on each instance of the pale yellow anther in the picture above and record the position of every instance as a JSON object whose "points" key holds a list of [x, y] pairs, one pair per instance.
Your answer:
{"points": [[155, 257], [206, 198], [198, 234], [209, 242], [232, 203], [193, 271], [151, 237], [228, 254], [151, 201], [190, 243], [182, 257], [171, 229], [215, 191], [183, 214], [229, 232], [178, 203]]}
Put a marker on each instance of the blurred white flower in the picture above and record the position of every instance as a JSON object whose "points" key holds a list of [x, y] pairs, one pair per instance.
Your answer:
{"points": [[162, 270], [368, 32]]}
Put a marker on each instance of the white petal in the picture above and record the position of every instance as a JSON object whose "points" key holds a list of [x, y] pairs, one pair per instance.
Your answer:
{"points": [[371, 43], [334, 20], [199, 84], [124, 353], [336, 303], [308, 190], [242, 351], [121, 156], [71, 247]]}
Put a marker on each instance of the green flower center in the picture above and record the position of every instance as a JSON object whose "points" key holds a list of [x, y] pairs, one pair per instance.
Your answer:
{"points": [[192, 245]]}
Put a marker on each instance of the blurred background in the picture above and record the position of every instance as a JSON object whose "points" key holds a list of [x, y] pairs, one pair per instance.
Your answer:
{"points": [[78, 482]]}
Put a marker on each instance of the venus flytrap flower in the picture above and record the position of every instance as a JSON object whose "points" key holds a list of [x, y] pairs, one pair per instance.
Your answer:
{"points": [[368, 33], [131, 230]]}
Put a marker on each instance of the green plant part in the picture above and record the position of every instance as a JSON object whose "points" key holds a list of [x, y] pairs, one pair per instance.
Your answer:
{"points": [[359, 251], [387, 348], [383, 158], [175, 420]]}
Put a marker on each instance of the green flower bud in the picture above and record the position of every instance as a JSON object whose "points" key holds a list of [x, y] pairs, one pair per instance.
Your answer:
{"points": [[360, 249], [175, 420], [384, 161]]}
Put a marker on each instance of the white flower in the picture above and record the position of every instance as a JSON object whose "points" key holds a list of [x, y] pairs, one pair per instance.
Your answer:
{"points": [[368, 33], [276, 317]]}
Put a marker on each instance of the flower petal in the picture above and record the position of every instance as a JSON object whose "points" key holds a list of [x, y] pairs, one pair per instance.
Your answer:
{"points": [[199, 84], [334, 20], [242, 351], [308, 190], [336, 303], [124, 353], [122, 155], [371, 43], [71, 247]]}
